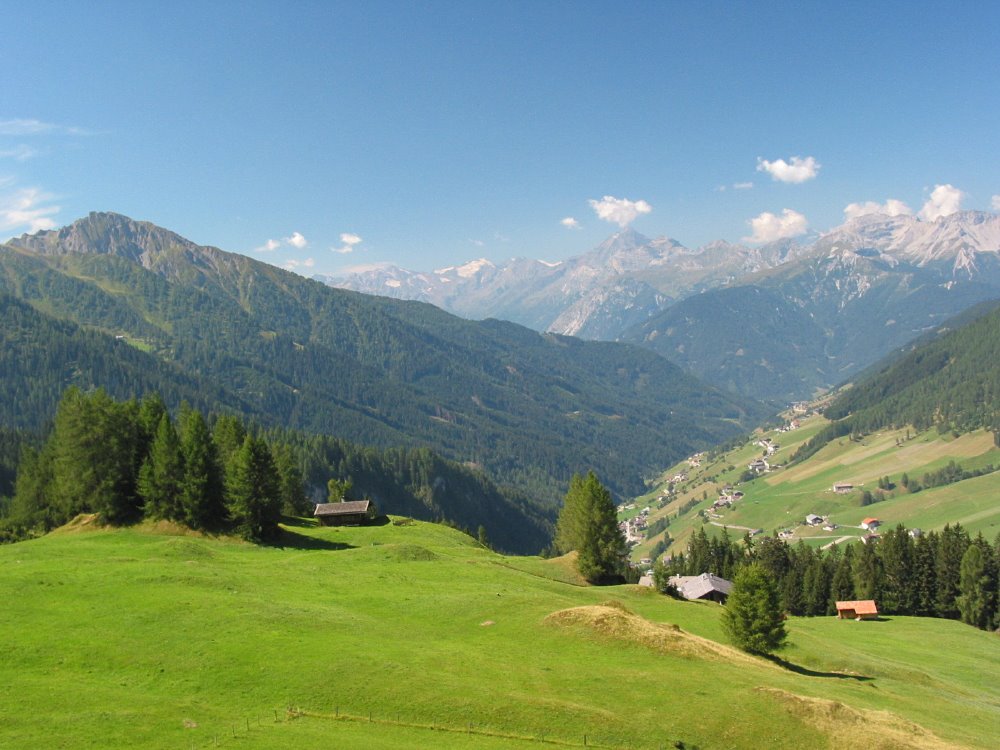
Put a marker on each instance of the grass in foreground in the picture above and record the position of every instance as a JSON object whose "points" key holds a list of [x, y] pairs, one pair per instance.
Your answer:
{"points": [[141, 639]]}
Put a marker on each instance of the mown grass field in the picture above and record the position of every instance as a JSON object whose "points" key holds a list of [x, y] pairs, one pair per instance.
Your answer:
{"points": [[146, 638], [782, 499]]}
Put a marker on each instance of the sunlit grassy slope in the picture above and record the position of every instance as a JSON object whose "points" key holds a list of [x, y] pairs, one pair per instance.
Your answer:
{"points": [[144, 638], [781, 499]]}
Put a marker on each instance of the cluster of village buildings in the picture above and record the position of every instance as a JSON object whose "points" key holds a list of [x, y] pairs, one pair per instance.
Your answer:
{"points": [[634, 529]]}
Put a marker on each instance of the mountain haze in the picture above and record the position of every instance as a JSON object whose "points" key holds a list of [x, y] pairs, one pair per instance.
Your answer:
{"points": [[835, 306], [528, 408]]}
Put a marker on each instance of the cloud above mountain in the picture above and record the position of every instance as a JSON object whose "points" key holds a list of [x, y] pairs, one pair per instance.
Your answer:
{"points": [[620, 211], [570, 223], [768, 227], [891, 207], [944, 201], [794, 171], [348, 240], [29, 209], [295, 239]]}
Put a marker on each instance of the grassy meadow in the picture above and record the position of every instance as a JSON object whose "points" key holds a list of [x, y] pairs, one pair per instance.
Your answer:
{"points": [[783, 498], [412, 635]]}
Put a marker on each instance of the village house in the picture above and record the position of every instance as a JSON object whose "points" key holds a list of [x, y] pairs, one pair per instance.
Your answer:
{"points": [[870, 524], [814, 520], [864, 609], [843, 487], [758, 466], [348, 513], [706, 586]]}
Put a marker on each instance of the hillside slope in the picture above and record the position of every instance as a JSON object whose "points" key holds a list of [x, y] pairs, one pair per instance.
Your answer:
{"points": [[529, 408], [411, 635]]}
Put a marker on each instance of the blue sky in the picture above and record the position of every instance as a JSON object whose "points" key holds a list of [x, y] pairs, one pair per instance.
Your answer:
{"points": [[322, 136]]}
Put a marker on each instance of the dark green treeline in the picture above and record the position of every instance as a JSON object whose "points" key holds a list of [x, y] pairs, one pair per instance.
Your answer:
{"points": [[938, 574]]}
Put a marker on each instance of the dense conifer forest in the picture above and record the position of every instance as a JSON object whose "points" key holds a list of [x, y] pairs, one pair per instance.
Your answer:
{"points": [[129, 460]]}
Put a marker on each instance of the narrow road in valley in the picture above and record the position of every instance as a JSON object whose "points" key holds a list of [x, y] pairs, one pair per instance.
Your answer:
{"points": [[838, 541], [731, 526]]}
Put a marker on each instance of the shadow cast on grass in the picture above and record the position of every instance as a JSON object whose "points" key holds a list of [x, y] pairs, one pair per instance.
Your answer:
{"points": [[805, 671], [290, 540]]}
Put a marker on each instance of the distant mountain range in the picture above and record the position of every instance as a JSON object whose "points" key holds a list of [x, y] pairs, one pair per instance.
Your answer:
{"points": [[774, 322], [227, 331]]}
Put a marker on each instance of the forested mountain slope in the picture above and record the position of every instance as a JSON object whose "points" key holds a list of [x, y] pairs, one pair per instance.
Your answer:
{"points": [[953, 382], [529, 408]]}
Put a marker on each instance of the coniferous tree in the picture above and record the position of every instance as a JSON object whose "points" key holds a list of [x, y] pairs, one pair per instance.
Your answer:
{"points": [[94, 462], [842, 583], [253, 491], [951, 548], [162, 474], [925, 575], [291, 487], [33, 505], [228, 435], [899, 595], [589, 522], [974, 586], [201, 492], [753, 618], [868, 573]]}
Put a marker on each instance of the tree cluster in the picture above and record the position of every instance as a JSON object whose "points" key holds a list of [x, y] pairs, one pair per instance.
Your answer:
{"points": [[129, 460], [939, 574]]}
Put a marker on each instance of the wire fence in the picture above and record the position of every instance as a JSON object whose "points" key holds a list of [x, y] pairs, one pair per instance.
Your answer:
{"points": [[248, 725]]}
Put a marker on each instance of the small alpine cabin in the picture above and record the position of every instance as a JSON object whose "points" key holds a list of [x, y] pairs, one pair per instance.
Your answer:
{"points": [[859, 610], [347, 513]]}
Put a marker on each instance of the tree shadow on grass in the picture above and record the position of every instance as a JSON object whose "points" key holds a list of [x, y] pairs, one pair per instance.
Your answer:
{"points": [[805, 671], [291, 540]]}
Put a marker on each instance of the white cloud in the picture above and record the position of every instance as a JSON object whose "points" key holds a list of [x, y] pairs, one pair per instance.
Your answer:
{"points": [[891, 207], [21, 152], [292, 264], [296, 240], [27, 209], [944, 201], [995, 203], [349, 240], [570, 223], [742, 185], [477, 243], [796, 171], [620, 211], [268, 247], [768, 227], [37, 127]]}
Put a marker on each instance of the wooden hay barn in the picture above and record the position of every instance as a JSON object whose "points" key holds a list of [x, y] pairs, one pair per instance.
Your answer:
{"points": [[348, 513], [864, 609]]}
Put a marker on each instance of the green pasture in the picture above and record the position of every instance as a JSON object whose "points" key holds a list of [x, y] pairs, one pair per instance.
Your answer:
{"points": [[782, 499], [412, 635]]}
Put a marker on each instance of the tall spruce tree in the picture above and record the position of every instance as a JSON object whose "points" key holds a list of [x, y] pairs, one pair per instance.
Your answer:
{"points": [[588, 523], [254, 491], [973, 601], [162, 474], [201, 493], [753, 618], [952, 544], [94, 442]]}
